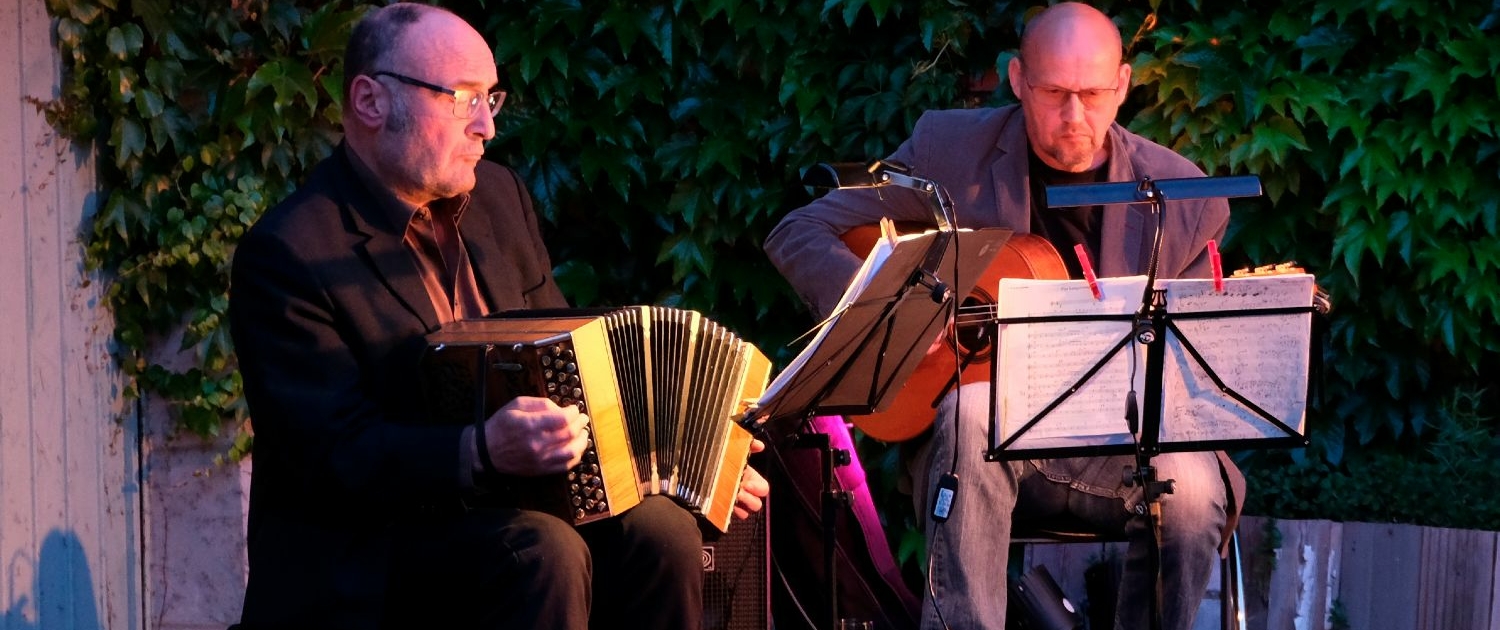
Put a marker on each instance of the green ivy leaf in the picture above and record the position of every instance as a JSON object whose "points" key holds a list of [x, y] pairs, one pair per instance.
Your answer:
{"points": [[1350, 243], [124, 41], [287, 80], [1324, 44], [148, 103], [283, 19], [129, 140], [154, 14], [1425, 72], [850, 8], [1277, 138], [1441, 262], [1477, 56], [686, 256]]}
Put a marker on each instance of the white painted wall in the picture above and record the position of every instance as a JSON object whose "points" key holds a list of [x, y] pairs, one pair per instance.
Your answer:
{"points": [[194, 520], [70, 517]]}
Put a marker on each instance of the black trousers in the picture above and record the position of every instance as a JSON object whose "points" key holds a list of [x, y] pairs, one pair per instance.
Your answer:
{"points": [[516, 569]]}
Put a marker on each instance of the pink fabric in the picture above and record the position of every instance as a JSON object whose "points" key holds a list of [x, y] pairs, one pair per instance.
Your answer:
{"points": [[852, 480]]}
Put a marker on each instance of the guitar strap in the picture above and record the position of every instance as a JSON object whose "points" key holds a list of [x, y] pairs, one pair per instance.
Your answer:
{"points": [[870, 584]]}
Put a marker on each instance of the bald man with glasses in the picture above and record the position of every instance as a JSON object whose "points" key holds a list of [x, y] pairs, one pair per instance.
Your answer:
{"points": [[363, 513], [997, 163]]}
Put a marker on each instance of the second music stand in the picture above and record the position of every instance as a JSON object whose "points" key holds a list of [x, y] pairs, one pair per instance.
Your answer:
{"points": [[1149, 326]]}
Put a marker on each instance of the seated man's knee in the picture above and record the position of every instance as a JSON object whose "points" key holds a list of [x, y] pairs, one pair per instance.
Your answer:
{"points": [[666, 532], [545, 547], [1195, 510]]}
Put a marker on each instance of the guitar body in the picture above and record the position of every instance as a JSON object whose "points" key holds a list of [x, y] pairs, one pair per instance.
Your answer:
{"points": [[1022, 256]]}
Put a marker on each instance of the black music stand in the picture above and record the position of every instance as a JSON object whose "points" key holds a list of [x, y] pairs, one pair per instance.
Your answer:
{"points": [[1148, 326], [866, 350], [1180, 306], [864, 353]]}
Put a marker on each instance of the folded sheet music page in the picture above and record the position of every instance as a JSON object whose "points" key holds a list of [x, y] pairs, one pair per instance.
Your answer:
{"points": [[876, 258], [1263, 357]]}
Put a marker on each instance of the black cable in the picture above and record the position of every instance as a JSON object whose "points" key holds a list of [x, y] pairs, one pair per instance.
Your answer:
{"points": [[958, 407], [931, 590], [786, 586]]}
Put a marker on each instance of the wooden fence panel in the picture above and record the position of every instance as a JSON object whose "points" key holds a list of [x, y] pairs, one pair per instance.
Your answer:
{"points": [[1368, 576], [1456, 583], [1311, 575], [1382, 563], [1291, 583]]}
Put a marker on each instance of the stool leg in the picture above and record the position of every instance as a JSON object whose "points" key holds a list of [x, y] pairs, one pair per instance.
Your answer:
{"points": [[1231, 587]]}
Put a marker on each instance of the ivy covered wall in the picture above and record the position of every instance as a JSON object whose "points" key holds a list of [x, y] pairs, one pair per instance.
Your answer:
{"points": [[664, 139]]}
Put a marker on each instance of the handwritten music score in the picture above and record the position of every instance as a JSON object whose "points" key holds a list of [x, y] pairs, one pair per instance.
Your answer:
{"points": [[1262, 357]]}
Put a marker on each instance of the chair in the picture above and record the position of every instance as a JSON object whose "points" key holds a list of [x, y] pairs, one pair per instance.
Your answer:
{"points": [[1231, 576]]}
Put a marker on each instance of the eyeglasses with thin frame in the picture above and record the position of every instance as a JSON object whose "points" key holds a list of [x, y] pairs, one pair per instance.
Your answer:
{"points": [[1053, 96], [465, 102]]}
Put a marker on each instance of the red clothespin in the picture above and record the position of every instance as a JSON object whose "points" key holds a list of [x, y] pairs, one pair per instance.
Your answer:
{"points": [[1088, 271], [1218, 265]]}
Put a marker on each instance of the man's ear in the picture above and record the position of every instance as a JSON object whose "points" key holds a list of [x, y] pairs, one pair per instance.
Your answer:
{"points": [[1017, 80], [1123, 87], [368, 101]]}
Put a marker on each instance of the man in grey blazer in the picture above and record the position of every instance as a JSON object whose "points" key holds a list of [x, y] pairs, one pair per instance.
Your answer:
{"points": [[996, 164]]}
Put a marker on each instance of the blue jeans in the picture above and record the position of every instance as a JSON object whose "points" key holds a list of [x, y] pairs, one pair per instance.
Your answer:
{"points": [[969, 553]]}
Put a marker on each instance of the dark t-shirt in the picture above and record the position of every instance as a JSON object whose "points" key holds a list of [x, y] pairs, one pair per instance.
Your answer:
{"points": [[1066, 227]]}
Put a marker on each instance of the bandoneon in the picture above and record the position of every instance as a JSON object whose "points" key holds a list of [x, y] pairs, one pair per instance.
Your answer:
{"points": [[661, 387]]}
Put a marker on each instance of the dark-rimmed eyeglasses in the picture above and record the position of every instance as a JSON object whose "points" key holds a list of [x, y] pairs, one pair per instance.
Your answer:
{"points": [[465, 102], [1053, 96]]}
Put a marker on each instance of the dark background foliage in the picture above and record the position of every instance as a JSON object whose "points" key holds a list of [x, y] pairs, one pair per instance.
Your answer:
{"points": [[663, 140]]}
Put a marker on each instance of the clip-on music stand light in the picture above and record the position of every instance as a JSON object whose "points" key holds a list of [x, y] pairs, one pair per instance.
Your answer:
{"points": [[1150, 325], [871, 347]]}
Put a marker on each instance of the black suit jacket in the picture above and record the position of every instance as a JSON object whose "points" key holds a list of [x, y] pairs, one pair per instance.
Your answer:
{"points": [[328, 315]]}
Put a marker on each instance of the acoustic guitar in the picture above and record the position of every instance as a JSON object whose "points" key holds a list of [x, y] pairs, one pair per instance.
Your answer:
{"points": [[967, 347]]}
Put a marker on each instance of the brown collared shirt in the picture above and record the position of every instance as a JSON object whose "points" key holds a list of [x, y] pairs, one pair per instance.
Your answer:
{"points": [[432, 238], [431, 235]]}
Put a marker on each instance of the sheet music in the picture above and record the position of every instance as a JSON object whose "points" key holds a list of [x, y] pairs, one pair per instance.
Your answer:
{"points": [[1262, 357], [1040, 362], [862, 356], [872, 263]]}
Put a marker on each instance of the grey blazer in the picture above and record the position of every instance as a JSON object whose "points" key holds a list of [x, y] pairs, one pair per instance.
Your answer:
{"points": [[980, 157]]}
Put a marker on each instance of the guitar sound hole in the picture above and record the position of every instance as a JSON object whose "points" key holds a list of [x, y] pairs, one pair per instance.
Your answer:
{"points": [[975, 342]]}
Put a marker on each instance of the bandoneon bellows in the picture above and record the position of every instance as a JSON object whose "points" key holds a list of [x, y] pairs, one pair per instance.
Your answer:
{"points": [[661, 386]]}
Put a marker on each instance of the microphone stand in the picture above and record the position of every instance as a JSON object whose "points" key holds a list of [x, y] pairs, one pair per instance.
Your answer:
{"points": [[878, 174]]}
